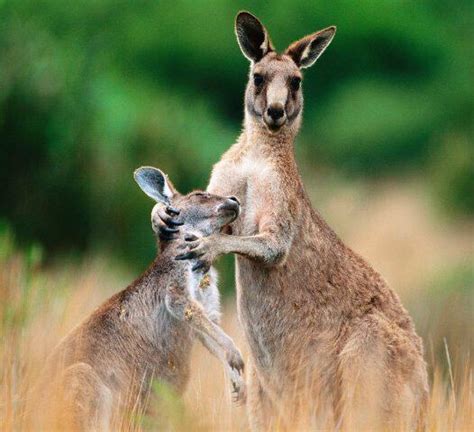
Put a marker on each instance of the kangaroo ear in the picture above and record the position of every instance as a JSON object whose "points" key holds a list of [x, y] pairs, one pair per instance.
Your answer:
{"points": [[306, 51], [252, 36], [155, 184]]}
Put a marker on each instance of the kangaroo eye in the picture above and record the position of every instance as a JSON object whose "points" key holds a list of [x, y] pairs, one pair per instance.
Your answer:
{"points": [[295, 83], [202, 194], [258, 80]]}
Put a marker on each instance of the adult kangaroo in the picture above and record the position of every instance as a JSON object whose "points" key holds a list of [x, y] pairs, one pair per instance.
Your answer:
{"points": [[330, 342]]}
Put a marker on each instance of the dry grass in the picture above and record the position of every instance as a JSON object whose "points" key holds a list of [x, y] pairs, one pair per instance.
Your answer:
{"points": [[39, 306]]}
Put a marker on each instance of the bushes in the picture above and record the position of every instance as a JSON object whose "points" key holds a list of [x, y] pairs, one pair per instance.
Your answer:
{"points": [[90, 91]]}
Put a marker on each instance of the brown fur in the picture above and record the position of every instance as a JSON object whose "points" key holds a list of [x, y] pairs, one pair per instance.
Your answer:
{"points": [[103, 370], [326, 333]]}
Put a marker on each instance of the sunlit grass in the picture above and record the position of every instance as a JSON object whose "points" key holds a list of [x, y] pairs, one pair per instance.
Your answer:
{"points": [[40, 304]]}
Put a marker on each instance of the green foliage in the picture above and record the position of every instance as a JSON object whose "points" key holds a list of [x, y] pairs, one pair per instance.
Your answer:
{"points": [[16, 279], [90, 90], [452, 169]]}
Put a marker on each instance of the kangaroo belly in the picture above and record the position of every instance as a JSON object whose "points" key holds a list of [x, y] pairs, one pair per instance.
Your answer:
{"points": [[302, 346], [279, 319]]}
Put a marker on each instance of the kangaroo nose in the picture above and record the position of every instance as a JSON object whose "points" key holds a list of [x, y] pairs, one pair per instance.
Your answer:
{"points": [[233, 198], [275, 112]]}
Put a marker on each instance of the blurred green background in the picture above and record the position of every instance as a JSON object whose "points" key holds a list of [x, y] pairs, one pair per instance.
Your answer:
{"points": [[90, 90]]}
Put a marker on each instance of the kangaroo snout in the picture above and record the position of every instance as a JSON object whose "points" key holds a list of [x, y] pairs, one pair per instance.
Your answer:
{"points": [[275, 116], [235, 199], [231, 206]]}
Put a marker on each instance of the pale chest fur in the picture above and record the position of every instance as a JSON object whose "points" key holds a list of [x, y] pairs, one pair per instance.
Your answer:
{"points": [[245, 178], [257, 184], [203, 288]]}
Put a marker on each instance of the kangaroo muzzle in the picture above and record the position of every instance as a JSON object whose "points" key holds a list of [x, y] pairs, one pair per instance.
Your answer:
{"points": [[231, 207], [275, 116]]}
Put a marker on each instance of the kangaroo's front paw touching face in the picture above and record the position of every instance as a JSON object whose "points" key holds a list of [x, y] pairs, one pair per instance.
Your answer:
{"points": [[165, 222], [204, 250]]}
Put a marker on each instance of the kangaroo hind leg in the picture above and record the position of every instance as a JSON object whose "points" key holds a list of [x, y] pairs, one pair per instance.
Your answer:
{"points": [[86, 401]]}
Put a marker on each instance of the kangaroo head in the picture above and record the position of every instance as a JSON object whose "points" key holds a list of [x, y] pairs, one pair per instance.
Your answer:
{"points": [[201, 213], [273, 96]]}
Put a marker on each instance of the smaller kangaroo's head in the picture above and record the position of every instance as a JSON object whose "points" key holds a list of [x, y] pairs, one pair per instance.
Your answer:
{"points": [[201, 213], [273, 96]]}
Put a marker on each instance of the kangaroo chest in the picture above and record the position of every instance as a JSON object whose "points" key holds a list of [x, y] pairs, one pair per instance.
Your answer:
{"points": [[262, 306], [253, 177], [203, 288]]}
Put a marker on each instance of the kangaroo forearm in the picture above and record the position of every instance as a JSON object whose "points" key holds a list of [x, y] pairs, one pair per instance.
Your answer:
{"points": [[220, 342], [261, 247], [233, 368], [210, 345], [188, 310]]}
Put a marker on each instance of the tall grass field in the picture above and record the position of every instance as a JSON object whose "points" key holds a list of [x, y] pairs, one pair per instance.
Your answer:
{"points": [[428, 263]]}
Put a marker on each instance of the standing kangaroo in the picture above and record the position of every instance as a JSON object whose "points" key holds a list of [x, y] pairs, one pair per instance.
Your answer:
{"points": [[330, 342], [146, 331]]}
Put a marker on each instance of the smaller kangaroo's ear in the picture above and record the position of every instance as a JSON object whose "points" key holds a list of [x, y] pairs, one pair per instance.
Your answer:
{"points": [[306, 51], [155, 184], [252, 36]]}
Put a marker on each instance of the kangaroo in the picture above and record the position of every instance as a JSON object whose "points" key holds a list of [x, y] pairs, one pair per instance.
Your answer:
{"points": [[330, 342], [146, 331]]}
